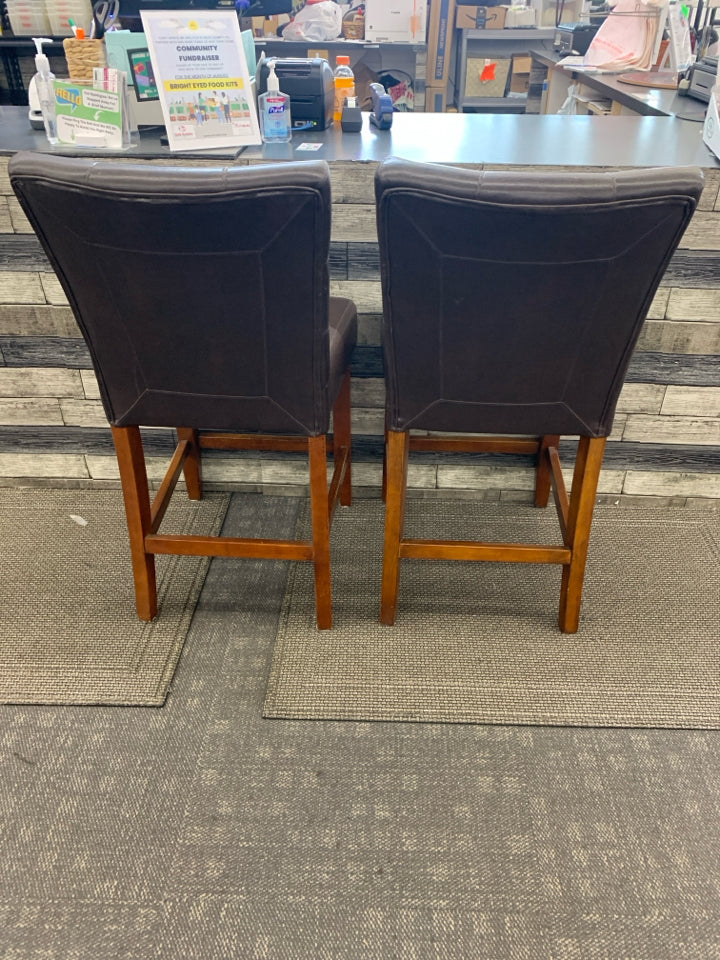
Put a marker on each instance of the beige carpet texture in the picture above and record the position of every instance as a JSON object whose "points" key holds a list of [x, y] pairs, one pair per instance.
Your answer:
{"points": [[478, 642], [69, 632]]}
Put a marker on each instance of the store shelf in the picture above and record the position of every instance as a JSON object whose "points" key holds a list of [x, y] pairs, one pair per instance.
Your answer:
{"points": [[533, 34], [338, 44], [12, 48], [501, 44], [495, 104]]}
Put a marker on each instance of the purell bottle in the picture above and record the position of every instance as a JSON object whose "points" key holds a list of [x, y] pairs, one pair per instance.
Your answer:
{"points": [[275, 123]]}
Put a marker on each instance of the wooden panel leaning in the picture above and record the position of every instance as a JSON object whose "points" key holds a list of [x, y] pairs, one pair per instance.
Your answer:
{"points": [[203, 297], [512, 303]]}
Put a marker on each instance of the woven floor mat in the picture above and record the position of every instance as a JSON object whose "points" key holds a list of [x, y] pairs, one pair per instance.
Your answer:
{"points": [[479, 643], [69, 632]]}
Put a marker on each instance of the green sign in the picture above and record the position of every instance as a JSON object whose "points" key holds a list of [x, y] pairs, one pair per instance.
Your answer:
{"points": [[87, 116]]}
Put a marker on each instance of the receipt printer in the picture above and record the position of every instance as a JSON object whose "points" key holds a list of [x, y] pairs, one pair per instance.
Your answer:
{"points": [[702, 77], [310, 85], [574, 37]]}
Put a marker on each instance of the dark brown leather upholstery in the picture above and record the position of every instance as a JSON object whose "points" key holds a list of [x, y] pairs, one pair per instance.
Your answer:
{"points": [[202, 292], [512, 303], [203, 296]]}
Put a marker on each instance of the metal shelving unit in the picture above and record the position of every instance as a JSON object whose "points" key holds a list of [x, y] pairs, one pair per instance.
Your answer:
{"points": [[11, 50], [477, 44]]}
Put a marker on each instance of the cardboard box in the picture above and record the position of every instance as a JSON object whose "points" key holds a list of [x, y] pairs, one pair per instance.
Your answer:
{"points": [[487, 76], [570, 11], [525, 17], [268, 26], [402, 21], [520, 76], [436, 98], [439, 41], [480, 18]]}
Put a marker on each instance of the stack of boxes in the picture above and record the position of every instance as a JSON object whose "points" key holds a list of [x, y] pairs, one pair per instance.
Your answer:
{"points": [[28, 17], [38, 18], [520, 75], [268, 26], [472, 17], [540, 13], [480, 18], [441, 27], [61, 12], [552, 11]]}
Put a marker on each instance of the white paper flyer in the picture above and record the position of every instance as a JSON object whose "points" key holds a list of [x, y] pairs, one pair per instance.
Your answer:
{"points": [[202, 78]]}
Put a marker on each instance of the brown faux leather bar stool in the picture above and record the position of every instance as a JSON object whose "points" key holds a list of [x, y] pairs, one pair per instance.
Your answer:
{"points": [[512, 303], [203, 296]]}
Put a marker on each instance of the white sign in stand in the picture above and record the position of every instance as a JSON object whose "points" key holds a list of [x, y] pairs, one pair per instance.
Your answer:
{"points": [[681, 55], [711, 127], [202, 78]]}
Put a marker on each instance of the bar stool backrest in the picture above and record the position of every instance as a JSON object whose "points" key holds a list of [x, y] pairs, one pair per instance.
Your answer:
{"points": [[206, 301], [513, 301]]}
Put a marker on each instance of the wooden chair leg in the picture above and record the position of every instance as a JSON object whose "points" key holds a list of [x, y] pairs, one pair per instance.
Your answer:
{"points": [[192, 468], [384, 462], [133, 475], [582, 503], [543, 473], [342, 437], [320, 530], [398, 447]]}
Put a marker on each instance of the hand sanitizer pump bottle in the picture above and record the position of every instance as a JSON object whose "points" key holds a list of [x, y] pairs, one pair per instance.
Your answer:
{"points": [[44, 90], [275, 124]]}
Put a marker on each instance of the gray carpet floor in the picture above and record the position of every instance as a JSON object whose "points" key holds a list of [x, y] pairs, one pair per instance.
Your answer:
{"points": [[200, 830]]}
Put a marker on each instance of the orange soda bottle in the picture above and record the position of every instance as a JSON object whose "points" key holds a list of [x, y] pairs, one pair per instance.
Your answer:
{"points": [[344, 85]]}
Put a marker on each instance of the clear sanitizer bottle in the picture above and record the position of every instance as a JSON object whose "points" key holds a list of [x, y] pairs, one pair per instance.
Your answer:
{"points": [[275, 123], [45, 89]]}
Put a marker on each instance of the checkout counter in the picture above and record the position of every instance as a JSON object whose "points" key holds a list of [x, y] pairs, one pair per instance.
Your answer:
{"points": [[666, 440], [476, 139], [605, 94]]}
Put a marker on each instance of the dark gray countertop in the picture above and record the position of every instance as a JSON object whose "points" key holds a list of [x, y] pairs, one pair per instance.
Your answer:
{"points": [[649, 101], [495, 139]]}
